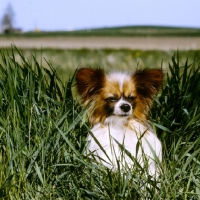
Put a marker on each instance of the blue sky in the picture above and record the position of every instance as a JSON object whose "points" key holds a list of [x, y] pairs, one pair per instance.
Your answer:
{"points": [[80, 14]]}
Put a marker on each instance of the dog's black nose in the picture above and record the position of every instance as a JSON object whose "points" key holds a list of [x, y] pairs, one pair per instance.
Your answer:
{"points": [[125, 107]]}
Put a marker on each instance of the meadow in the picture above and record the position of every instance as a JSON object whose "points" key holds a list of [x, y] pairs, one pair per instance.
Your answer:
{"points": [[67, 61], [43, 128]]}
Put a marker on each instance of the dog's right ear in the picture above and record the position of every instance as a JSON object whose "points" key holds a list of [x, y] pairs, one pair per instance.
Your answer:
{"points": [[89, 82]]}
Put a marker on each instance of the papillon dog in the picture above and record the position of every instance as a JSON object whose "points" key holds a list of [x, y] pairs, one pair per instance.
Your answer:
{"points": [[118, 106]]}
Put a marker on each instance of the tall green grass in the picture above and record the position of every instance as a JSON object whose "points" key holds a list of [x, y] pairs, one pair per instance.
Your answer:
{"points": [[43, 130], [65, 61]]}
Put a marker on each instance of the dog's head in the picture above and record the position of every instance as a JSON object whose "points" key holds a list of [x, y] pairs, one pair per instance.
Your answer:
{"points": [[118, 94]]}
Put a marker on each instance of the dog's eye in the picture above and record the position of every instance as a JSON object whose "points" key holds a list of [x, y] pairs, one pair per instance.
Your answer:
{"points": [[112, 99], [131, 98]]}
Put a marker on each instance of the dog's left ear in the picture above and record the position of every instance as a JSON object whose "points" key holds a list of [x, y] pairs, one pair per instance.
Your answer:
{"points": [[148, 81]]}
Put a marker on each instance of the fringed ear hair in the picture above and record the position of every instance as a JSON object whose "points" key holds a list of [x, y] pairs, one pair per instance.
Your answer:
{"points": [[148, 82], [89, 82]]}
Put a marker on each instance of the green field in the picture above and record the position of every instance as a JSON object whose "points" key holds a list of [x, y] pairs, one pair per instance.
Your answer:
{"points": [[43, 128], [129, 31]]}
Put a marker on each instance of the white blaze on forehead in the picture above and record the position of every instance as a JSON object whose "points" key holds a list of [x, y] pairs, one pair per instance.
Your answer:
{"points": [[119, 77]]}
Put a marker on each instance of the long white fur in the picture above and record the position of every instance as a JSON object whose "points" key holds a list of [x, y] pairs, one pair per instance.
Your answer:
{"points": [[116, 129]]}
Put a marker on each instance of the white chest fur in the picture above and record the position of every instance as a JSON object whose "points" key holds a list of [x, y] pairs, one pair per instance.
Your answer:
{"points": [[136, 138]]}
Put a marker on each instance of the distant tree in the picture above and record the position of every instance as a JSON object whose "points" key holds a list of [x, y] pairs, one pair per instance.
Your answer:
{"points": [[8, 19]]}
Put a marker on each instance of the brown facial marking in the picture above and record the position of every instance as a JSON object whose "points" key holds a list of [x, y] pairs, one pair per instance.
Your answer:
{"points": [[129, 89], [111, 89]]}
